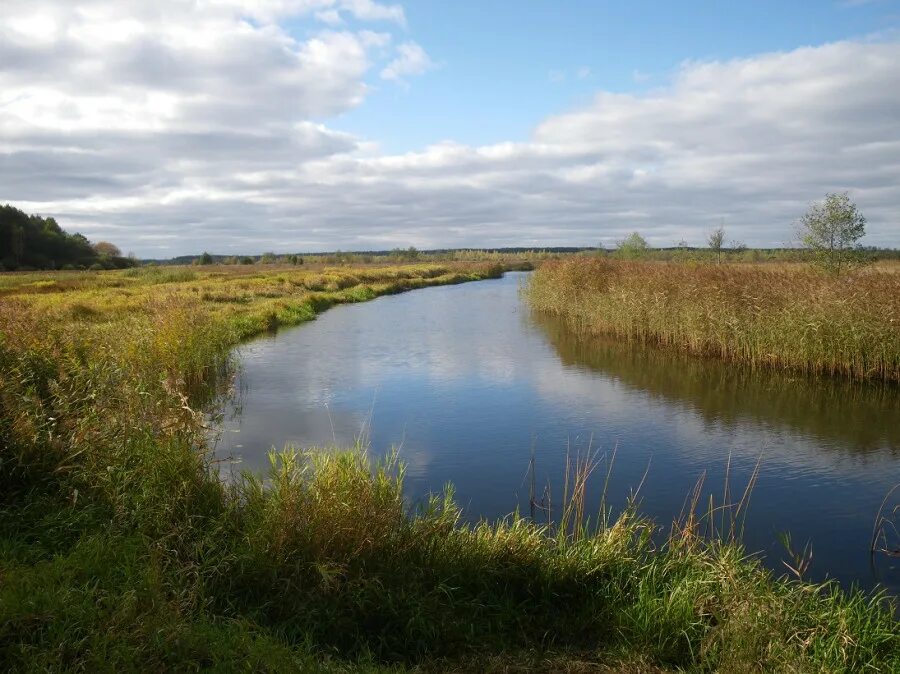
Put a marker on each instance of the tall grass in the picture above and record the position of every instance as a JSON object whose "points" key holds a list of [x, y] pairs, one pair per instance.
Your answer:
{"points": [[121, 548], [782, 316]]}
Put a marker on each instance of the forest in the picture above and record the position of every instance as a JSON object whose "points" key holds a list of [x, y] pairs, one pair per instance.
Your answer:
{"points": [[29, 242]]}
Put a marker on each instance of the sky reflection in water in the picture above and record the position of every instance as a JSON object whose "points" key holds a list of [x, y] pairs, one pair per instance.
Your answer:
{"points": [[466, 380]]}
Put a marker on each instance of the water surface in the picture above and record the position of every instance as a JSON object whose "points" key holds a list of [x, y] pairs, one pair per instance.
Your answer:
{"points": [[467, 381]]}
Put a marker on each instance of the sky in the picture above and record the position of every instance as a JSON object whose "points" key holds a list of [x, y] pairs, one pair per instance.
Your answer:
{"points": [[241, 126]]}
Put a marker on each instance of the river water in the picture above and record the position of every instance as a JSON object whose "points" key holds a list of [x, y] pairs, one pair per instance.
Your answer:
{"points": [[468, 383]]}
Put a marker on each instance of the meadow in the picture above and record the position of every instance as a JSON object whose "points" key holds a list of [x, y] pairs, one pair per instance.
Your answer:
{"points": [[786, 316], [122, 549]]}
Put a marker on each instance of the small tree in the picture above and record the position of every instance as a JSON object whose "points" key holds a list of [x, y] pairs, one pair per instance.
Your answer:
{"points": [[107, 249], [268, 258], [831, 230], [206, 258], [716, 241], [632, 247], [406, 254], [682, 251]]}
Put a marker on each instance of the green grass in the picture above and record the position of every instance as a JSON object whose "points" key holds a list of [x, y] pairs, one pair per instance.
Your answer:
{"points": [[776, 316], [121, 549]]}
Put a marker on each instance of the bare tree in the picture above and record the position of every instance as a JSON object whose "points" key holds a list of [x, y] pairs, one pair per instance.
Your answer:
{"points": [[716, 241]]}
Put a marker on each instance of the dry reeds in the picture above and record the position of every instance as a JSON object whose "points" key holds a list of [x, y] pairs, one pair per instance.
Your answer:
{"points": [[781, 316]]}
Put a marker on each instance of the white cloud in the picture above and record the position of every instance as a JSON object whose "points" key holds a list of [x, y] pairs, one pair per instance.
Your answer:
{"points": [[639, 76], [560, 75], [172, 127], [329, 16], [411, 59], [326, 10], [366, 10]]}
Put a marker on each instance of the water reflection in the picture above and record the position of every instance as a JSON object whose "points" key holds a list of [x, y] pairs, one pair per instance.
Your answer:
{"points": [[468, 382], [859, 418]]}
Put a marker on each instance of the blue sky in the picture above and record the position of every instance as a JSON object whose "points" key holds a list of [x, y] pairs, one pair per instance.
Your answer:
{"points": [[501, 72], [241, 126]]}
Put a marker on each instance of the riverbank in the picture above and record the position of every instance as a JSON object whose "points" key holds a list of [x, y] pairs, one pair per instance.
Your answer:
{"points": [[780, 316], [121, 549]]}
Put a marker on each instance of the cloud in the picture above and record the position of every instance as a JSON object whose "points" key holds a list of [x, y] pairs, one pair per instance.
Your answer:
{"points": [[411, 60], [560, 75], [329, 16], [325, 10], [366, 10], [173, 127], [639, 76]]}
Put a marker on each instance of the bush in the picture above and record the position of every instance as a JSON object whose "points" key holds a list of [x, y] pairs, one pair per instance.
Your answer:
{"points": [[632, 247]]}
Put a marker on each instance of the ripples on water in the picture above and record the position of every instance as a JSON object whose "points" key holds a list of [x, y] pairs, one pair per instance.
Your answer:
{"points": [[467, 381]]}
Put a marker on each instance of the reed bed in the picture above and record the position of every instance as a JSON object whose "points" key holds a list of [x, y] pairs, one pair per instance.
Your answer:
{"points": [[779, 315], [121, 548]]}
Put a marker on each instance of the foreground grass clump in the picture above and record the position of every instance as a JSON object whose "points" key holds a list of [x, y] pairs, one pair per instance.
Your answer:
{"points": [[121, 548], [785, 316]]}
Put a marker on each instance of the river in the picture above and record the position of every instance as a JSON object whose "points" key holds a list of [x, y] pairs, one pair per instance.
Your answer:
{"points": [[467, 382]]}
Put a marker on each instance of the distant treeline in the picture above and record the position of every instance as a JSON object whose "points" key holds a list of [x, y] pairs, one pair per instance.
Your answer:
{"points": [[31, 242], [410, 254], [674, 254]]}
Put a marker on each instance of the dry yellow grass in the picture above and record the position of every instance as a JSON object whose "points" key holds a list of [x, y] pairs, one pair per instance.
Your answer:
{"points": [[774, 315], [250, 299]]}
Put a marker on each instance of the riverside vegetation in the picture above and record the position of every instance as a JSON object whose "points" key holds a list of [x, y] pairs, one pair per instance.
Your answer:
{"points": [[121, 548], [776, 315]]}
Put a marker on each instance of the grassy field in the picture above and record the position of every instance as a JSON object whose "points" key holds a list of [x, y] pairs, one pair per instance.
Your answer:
{"points": [[246, 300], [775, 315], [122, 550]]}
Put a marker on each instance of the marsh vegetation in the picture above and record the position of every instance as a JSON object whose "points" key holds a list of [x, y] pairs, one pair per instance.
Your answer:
{"points": [[121, 547], [788, 316]]}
